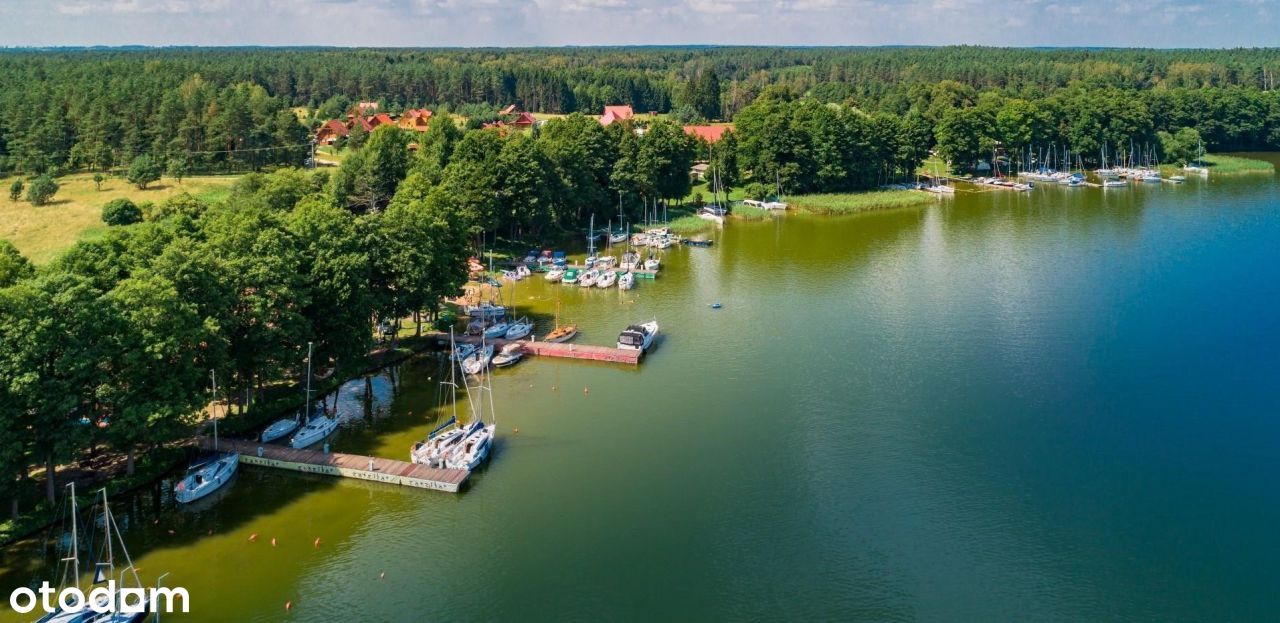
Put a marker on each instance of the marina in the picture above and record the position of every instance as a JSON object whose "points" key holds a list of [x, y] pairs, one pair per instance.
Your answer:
{"points": [[560, 350]]}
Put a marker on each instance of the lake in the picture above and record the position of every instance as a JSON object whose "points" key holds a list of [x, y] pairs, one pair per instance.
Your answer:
{"points": [[1055, 406]]}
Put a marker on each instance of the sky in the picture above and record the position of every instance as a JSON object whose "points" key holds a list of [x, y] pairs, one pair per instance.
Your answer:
{"points": [[428, 23]]}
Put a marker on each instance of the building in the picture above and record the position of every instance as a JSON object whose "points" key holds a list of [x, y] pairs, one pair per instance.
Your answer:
{"points": [[523, 121], [509, 110], [616, 113], [362, 109], [381, 119], [708, 133], [416, 119], [330, 131]]}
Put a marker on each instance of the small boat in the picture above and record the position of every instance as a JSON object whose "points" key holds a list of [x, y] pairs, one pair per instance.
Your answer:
{"points": [[618, 237], [479, 360], [313, 431], [653, 263], [475, 327], [630, 260], [280, 429], [606, 262], [558, 258], [554, 275], [606, 279], [638, 336], [562, 333], [462, 351], [523, 271], [496, 330], [627, 281], [439, 442], [1177, 179], [485, 309], [696, 242], [588, 278], [663, 242], [531, 257], [591, 260], [640, 240], [570, 276], [658, 231], [716, 305], [508, 356], [1115, 183], [519, 329], [472, 450], [209, 476]]}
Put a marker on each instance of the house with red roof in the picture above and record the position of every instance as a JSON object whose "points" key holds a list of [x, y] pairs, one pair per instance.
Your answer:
{"points": [[509, 110], [708, 133], [523, 120], [616, 113], [330, 131], [380, 119], [415, 119]]}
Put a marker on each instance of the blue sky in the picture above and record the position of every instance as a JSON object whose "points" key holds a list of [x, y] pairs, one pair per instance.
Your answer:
{"points": [[1155, 23]]}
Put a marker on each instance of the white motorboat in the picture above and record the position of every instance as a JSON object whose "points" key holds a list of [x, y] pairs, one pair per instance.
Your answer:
{"points": [[638, 336], [606, 279], [588, 278], [315, 430], [486, 309], [523, 271], [508, 356], [618, 237], [653, 263], [606, 262], [1177, 179], [479, 360], [519, 329], [280, 429], [554, 275], [630, 260], [1116, 183], [663, 242], [627, 281], [640, 240], [496, 330]]}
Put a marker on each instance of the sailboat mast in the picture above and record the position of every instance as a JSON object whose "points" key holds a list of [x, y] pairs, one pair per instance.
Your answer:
{"points": [[308, 407], [75, 540], [213, 389]]}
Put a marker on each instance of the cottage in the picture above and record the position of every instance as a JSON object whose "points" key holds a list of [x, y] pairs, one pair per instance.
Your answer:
{"points": [[523, 121], [381, 119], [416, 119], [362, 109], [509, 110], [330, 131], [616, 113], [708, 133]]}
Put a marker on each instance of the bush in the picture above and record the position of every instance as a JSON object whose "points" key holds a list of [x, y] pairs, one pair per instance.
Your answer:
{"points": [[758, 191], [121, 212], [41, 190], [143, 171], [15, 190]]}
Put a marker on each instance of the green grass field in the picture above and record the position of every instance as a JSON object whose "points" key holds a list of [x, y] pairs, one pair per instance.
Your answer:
{"points": [[40, 232], [1222, 164], [849, 203]]}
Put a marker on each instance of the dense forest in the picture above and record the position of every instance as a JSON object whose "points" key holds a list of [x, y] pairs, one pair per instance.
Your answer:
{"points": [[228, 109]]}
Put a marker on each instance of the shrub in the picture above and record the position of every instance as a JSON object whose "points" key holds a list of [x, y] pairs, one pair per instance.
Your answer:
{"points": [[143, 171], [15, 190], [42, 190], [121, 212]]}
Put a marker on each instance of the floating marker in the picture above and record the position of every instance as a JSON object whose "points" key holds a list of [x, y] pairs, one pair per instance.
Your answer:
{"points": [[317, 543], [288, 605], [253, 538], [273, 541]]}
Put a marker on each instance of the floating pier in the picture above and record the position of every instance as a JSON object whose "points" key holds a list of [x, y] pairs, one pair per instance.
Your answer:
{"points": [[563, 350], [342, 465]]}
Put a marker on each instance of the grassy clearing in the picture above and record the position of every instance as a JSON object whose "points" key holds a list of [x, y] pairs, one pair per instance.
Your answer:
{"points": [[750, 213], [935, 165], [849, 203], [690, 224], [1219, 164], [76, 211]]}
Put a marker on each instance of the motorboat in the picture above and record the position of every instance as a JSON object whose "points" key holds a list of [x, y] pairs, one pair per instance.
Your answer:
{"points": [[663, 242], [588, 278], [523, 271], [653, 263], [698, 242], [570, 277], [627, 281], [486, 309], [313, 431], [1116, 183], [618, 237], [638, 336], [1177, 179], [519, 329], [606, 262], [640, 240], [280, 429], [630, 260], [206, 477], [479, 360], [508, 356], [496, 330], [606, 279], [554, 275]]}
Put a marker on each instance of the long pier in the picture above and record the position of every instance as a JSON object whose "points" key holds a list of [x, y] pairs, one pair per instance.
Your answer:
{"points": [[562, 350], [342, 465]]}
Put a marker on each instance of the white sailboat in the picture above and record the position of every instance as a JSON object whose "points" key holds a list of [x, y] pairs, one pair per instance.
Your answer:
{"points": [[70, 566], [477, 441], [284, 427], [496, 330], [440, 441], [212, 474], [106, 570], [606, 279], [519, 330], [479, 360], [588, 278], [627, 281]]}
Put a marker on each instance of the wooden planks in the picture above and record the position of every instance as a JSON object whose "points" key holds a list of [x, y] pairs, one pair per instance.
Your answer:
{"points": [[375, 469], [564, 350]]}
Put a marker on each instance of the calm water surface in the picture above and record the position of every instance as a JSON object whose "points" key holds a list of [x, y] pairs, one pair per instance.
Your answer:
{"points": [[1057, 406]]}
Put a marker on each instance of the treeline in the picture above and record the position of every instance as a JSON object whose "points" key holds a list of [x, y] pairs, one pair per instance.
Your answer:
{"points": [[226, 108]]}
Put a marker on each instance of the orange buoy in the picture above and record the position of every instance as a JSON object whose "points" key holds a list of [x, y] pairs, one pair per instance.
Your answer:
{"points": [[273, 541], [586, 391], [515, 431], [253, 538], [317, 543], [553, 388], [288, 605]]}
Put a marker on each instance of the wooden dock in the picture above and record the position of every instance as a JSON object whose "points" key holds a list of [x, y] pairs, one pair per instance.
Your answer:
{"points": [[562, 350], [342, 465]]}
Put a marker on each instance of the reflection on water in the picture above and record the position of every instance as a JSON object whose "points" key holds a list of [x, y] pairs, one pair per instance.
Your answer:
{"points": [[1055, 405]]}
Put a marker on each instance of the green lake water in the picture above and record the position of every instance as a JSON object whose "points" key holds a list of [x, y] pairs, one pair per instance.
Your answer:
{"points": [[1053, 406]]}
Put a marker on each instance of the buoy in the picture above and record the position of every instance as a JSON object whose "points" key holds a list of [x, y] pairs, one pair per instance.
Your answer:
{"points": [[288, 605], [273, 541], [515, 431], [586, 391], [171, 533], [382, 576], [317, 543], [715, 306], [553, 388], [253, 538]]}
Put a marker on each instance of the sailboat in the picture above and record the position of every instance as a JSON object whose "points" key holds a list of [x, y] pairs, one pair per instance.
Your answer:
{"points": [[619, 236], [606, 279], [1197, 166], [478, 361], [520, 329], [627, 281], [70, 566], [285, 426], [106, 570], [562, 333], [317, 428], [209, 476], [439, 441], [474, 447], [591, 242]]}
